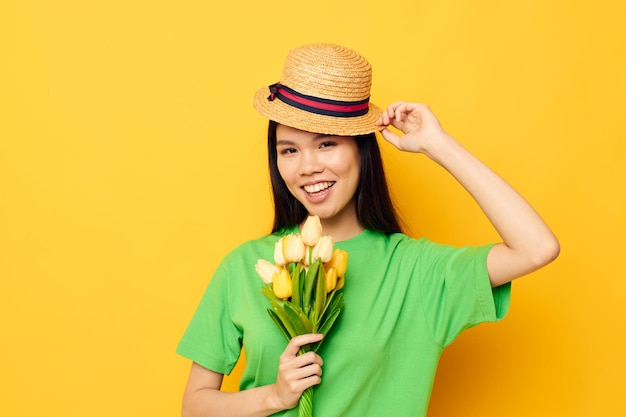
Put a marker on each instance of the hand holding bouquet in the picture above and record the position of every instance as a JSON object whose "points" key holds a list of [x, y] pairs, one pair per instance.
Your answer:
{"points": [[303, 288]]}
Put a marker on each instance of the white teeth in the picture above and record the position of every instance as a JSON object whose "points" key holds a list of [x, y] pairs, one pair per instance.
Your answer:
{"points": [[316, 188]]}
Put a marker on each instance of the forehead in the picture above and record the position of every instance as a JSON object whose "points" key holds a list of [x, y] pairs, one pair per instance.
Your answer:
{"points": [[283, 130], [291, 134]]}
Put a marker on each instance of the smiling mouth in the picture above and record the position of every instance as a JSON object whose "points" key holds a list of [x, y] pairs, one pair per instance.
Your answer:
{"points": [[319, 187]]}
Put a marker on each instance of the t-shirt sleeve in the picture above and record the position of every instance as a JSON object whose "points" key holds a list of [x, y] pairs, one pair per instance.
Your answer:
{"points": [[212, 339], [456, 291]]}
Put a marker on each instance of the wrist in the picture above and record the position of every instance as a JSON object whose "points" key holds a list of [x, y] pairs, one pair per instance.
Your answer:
{"points": [[438, 144], [273, 401]]}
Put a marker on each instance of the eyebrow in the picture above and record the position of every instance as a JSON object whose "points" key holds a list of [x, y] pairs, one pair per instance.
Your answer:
{"points": [[313, 139]]}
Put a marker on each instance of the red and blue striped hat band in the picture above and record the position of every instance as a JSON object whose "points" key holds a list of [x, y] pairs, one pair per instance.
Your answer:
{"points": [[318, 105]]}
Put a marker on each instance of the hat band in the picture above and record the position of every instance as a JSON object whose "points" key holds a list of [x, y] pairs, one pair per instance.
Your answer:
{"points": [[318, 105]]}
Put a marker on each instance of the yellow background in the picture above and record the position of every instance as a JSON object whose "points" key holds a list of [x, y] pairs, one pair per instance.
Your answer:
{"points": [[131, 161]]}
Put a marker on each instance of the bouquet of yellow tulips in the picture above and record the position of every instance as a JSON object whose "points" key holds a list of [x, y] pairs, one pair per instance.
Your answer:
{"points": [[303, 287]]}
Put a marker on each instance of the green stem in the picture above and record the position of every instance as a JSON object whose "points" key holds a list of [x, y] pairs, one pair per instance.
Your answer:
{"points": [[305, 405]]}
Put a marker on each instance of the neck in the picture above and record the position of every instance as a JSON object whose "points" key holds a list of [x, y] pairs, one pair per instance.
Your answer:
{"points": [[342, 231], [341, 227]]}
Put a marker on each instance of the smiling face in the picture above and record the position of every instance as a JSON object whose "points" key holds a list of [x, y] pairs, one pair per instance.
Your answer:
{"points": [[321, 171]]}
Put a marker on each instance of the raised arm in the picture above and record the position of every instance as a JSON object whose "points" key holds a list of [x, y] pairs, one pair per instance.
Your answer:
{"points": [[528, 244], [203, 398]]}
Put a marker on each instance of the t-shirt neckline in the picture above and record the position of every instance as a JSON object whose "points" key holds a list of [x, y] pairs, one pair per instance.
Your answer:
{"points": [[354, 242]]}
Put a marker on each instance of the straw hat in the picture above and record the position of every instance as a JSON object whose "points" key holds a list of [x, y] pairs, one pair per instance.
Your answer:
{"points": [[324, 89]]}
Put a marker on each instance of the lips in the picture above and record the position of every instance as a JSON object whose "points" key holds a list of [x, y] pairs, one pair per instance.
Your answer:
{"points": [[318, 187]]}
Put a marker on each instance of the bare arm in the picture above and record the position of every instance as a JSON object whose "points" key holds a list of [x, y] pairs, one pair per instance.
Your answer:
{"points": [[203, 398], [528, 244]]}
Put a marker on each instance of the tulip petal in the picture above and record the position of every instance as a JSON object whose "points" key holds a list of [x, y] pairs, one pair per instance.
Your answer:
{"points": [[293, 248], [324, 249], [279, 258], [281, 283], [339, 261], [311, 230], [331, 279], [266, 270]]}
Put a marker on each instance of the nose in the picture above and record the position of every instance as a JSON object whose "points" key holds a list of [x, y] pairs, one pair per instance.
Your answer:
{"points": [[310, 163]]}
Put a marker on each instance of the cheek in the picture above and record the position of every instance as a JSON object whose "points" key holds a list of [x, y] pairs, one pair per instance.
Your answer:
{"points": [[356, 176], [352, 167], [284, 170]]}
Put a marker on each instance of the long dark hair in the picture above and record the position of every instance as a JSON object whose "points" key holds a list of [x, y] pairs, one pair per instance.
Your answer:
{"points": [[374, 209]]}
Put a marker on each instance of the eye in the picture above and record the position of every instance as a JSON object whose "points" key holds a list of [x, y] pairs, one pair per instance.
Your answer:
{"points": [[327, 144], [287, 151]]}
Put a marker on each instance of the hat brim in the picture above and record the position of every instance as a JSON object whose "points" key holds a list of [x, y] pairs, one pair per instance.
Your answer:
{"points": [[285, 114]]}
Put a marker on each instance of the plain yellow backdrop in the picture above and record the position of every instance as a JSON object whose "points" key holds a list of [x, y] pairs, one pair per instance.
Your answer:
{"points": [[131, 161]]}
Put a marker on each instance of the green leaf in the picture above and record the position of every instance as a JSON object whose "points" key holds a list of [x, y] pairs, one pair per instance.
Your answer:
{"points": [[329, 321], [334, 307], [269, 293], [309, 283], [334, 302], [320, 294], [326, 326], [329, 299], [302, 280], [295, 285], [292, 316], [279, 324], [302, 318], [284, 319]]}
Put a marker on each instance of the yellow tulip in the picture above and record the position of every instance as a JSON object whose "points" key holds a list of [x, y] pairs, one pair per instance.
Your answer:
{"points": [[340, 282], [293, 248], [266, 270], [281, 284], [331, 279], [339, 261], [279, 258], [323, 249], [311, 231]]}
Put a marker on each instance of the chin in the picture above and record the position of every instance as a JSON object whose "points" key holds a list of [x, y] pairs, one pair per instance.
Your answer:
{"points": [[322, 214], [328, 214], [328, 211]]}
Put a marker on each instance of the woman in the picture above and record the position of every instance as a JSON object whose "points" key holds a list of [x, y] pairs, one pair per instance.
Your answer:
{"points": [[405, 299]]}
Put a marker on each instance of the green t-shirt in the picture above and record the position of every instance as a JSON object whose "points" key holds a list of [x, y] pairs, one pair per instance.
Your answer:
{"points": [[405, 300]]}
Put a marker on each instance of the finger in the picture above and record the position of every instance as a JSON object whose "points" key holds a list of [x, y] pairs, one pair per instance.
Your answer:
{"points": [[295, 370], [383, 120], [390, 111], [296, 364], [307, 359], [403, 111], [399, 112], [395, 105], [301, 384], [294, 345], [313, 369], [391, 137], [295, 378]]}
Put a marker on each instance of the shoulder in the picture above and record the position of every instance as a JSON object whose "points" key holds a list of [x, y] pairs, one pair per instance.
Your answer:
{"points": [[402, 242], [253, 249], [238, 266], [426, 250], [379, 245]]}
